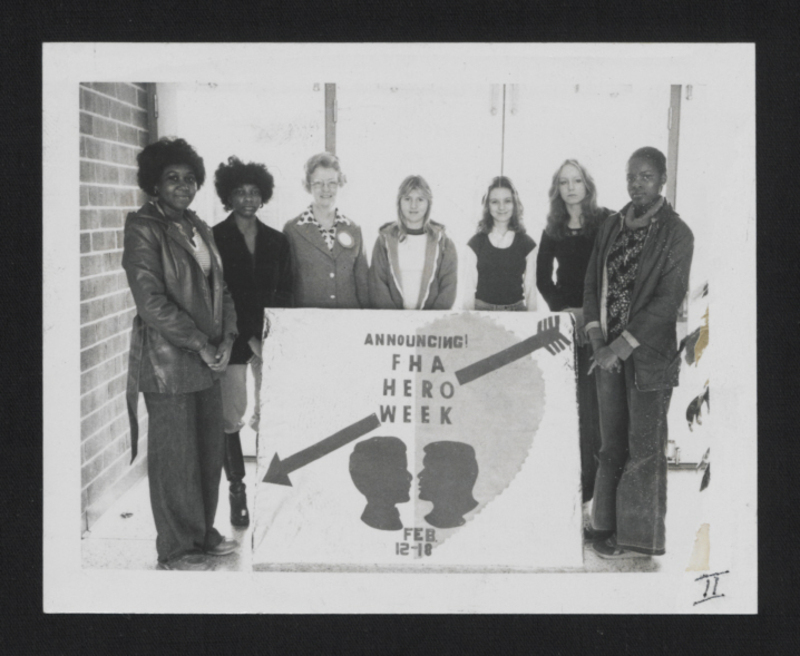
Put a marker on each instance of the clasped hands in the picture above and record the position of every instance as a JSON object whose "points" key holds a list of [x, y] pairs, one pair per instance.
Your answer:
{"points": [[217, 358]]}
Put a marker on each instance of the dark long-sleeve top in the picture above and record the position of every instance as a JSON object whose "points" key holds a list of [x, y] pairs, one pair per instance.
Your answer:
{"points": [[267, 282], [572, 253]]}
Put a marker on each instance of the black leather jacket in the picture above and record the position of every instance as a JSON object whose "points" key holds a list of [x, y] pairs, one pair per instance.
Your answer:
{"points": [[179, 310]]}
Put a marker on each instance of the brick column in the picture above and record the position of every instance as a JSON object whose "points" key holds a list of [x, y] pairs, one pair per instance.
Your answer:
{"points": [[114, 128]]}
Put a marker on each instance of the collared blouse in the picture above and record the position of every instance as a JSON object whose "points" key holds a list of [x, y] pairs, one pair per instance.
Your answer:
{"points": [[329, 266]]}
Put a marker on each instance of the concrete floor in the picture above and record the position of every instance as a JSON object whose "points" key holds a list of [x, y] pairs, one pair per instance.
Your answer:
{"points": [[124, 537]]}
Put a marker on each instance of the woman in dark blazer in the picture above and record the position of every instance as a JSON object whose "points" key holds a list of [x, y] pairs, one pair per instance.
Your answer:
{"points": [[183, 332], [258, 274], [328, 261], [567, 240], [635, 283]]}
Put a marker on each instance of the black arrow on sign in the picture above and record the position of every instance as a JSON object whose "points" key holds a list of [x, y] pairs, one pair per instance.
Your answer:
{"points": [[548, 336], [279, 470]]}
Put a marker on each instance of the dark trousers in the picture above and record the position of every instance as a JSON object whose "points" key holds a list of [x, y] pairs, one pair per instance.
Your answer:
{"points": [[630, 492], [185, 450], [588, 420]]}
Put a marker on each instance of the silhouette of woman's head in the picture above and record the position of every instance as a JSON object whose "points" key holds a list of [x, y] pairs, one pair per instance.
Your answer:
{"points": [[447, 478], [379, 469]]}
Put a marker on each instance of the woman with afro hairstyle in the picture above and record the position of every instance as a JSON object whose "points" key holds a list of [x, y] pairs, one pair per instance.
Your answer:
{"points": [[183, 333], [255, 259], [328, 260], [568, 239], [500, 268]]}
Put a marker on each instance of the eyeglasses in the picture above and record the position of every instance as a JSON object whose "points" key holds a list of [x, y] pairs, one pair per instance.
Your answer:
{"points": [[641, 177], [325, 184]]}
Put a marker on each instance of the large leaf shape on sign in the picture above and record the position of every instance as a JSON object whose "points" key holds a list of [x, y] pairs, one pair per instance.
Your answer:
{"points": [[492, 423]]}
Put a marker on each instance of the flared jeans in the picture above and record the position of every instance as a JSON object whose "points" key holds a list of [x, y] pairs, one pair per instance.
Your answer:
{"points": [[630, 492]]}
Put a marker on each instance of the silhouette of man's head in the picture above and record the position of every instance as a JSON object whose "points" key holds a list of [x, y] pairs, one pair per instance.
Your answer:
{"points": [[379, 469], [447, 478]]}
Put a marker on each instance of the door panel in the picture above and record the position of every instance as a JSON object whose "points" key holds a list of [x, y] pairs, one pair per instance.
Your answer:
{"points": [[281, 128], [599, 125], [695, 171], [448, 135]]}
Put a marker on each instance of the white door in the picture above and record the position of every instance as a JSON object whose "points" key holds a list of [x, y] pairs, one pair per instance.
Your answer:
{"points": [[696, 171], [600, 125], [448, 135], [280, 127]]}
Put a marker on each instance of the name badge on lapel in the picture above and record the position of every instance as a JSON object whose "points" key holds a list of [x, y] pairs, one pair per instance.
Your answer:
{"points": [[345, 239]]}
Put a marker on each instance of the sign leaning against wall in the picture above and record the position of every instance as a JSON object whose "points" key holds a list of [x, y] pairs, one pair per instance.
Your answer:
{"points": [[422, 441]]}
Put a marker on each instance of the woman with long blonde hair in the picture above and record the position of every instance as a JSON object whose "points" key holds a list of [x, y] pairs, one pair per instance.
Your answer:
{"points": [[568, 240], [414, 263]]}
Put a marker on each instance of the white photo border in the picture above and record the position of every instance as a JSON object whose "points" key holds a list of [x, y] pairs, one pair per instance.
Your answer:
{"points": [[730, 68]]}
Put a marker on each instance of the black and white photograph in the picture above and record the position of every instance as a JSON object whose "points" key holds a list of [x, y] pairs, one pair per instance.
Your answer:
{"points": [[330, 327]]}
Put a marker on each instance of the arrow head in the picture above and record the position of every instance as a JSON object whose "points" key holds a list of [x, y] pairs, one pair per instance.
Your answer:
{"points": [[275, 473]]}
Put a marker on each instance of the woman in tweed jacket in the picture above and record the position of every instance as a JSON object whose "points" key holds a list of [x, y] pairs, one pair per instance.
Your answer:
{"points": [[328, 259]]}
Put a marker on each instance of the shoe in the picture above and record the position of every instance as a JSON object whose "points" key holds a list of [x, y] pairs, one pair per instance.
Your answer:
{"points": [[186, 563], [609, 550], [594, 534], [240, 517], [235, 472], [227, 546]]}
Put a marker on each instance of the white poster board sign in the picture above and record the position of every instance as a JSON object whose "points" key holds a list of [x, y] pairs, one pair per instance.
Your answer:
{"points": [[418, 440]]}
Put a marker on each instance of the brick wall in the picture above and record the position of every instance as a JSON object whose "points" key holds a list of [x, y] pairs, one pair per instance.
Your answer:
{"points": [[114, 126]]}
